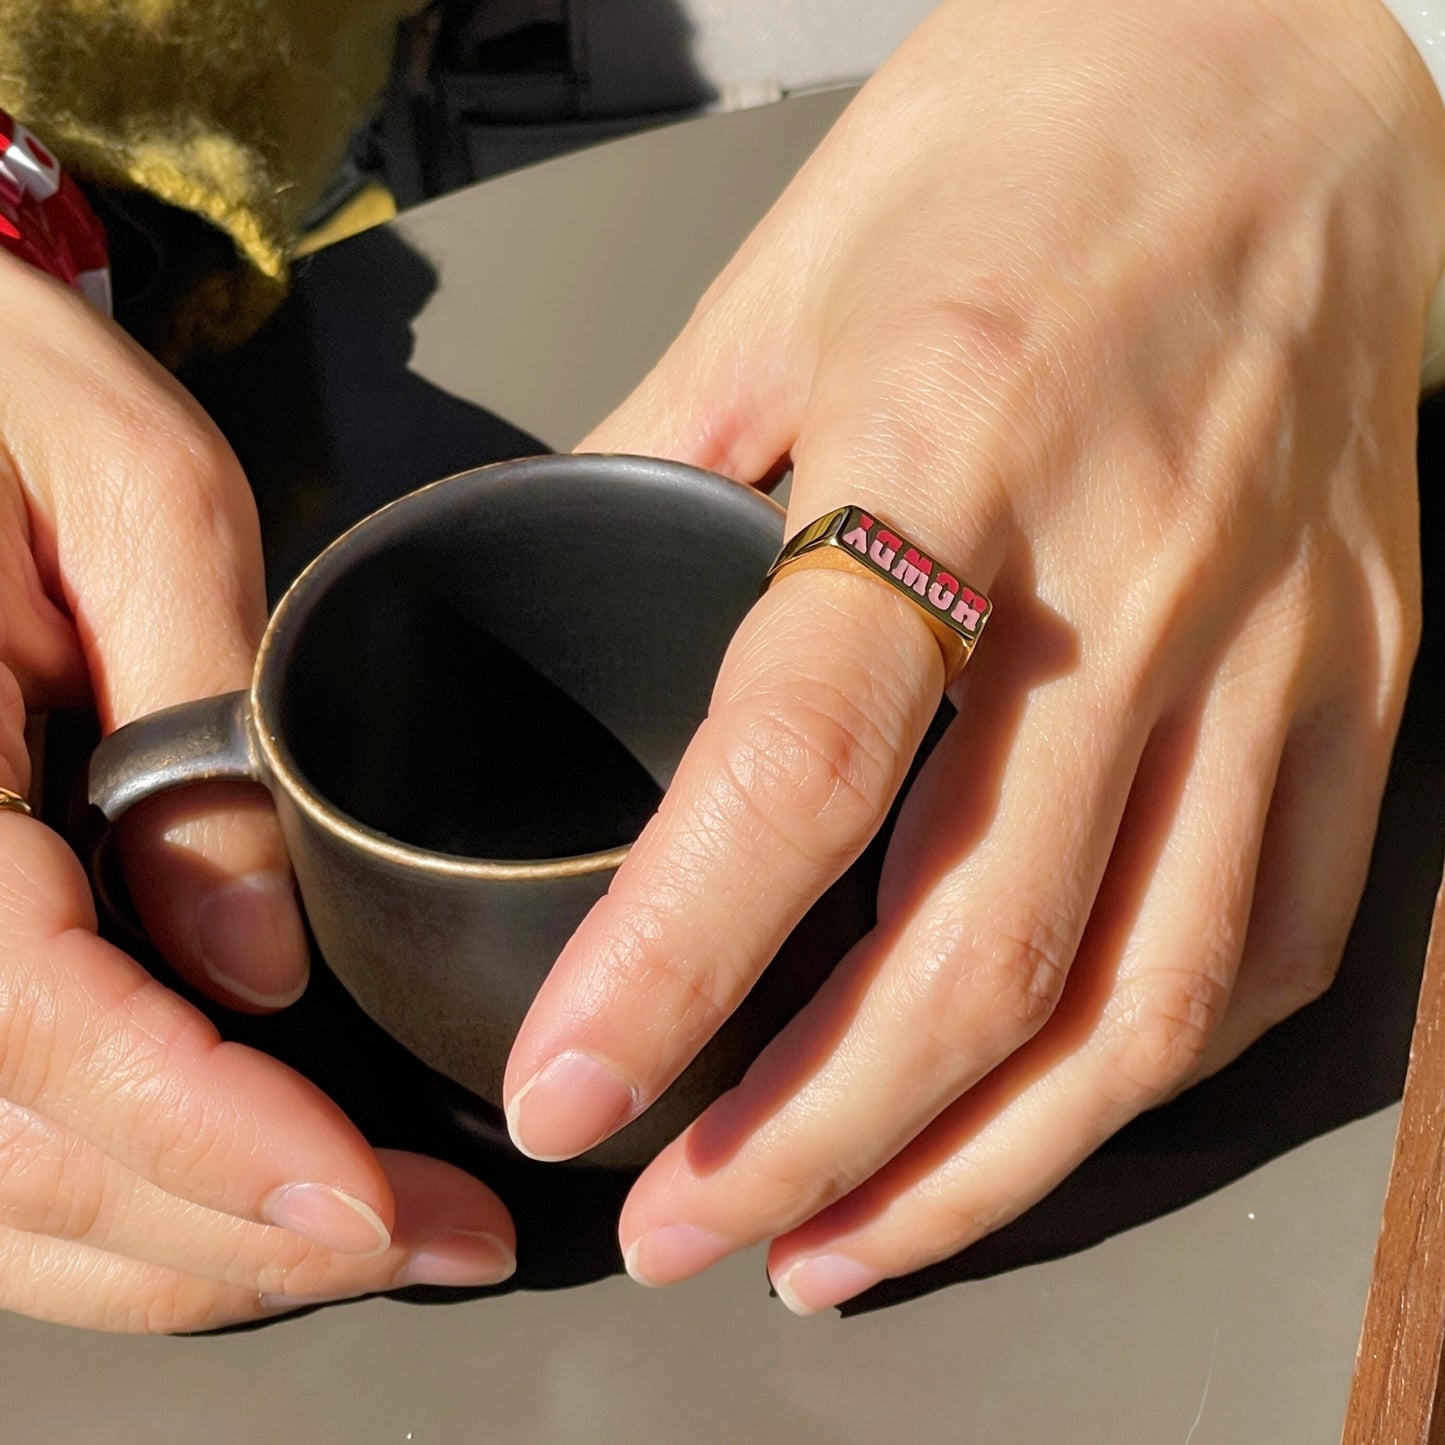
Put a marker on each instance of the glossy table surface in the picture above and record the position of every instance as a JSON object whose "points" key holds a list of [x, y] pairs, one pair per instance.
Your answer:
{"points": [[1200, 1281]]}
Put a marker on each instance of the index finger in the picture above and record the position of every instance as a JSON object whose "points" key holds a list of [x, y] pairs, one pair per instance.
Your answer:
{"points": [[822, 700]]}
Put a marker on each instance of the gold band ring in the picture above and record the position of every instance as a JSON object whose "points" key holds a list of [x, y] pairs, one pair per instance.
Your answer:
{"points": [[854, 540], [14, 803]]}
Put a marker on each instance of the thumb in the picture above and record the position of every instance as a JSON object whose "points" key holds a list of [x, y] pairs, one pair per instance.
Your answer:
{"points": [[156, 550]]}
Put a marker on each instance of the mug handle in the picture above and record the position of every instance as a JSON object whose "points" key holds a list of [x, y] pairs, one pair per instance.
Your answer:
{"points": [[195, 742]]}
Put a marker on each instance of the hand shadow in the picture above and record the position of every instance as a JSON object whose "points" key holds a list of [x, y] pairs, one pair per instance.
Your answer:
{"points": [[1338, 1060], [330, 424]]}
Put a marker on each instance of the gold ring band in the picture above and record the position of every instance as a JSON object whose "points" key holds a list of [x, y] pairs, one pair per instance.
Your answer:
{"points": [[14, 803], [854, 540]]}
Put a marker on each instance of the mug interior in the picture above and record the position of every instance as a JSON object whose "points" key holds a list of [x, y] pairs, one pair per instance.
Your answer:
{"points": [[508, 665]]}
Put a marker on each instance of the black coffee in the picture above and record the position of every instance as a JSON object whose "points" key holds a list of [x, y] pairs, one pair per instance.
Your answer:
{"points": [[415, 721]]}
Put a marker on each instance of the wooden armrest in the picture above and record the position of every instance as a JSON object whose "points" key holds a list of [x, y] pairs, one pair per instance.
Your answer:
{"points": [[1395, 1395]]}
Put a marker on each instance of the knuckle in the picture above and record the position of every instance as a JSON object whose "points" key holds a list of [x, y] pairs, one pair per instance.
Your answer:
{"points": [[814, 769], [791, 1184], [169, 488], [698, 995], [166, 1028], [31, 1173], [1302, 972], [290, 1266], [677, 993], [174, 445], [1162, 1029], [958, 1220], [1310, 978], [29, 1054], [997, 978], [154, 461], [145, 1046], [1410, 626], [982, 369], [80, 1211], [184, 1144], [1397, 612], [172, 1305]]}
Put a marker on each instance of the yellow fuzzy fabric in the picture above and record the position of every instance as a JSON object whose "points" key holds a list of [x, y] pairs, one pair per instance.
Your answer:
{"points": [[237, 110]]}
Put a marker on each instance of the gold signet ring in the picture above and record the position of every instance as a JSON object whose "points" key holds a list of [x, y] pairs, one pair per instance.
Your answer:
{"points": [[853, 539]]}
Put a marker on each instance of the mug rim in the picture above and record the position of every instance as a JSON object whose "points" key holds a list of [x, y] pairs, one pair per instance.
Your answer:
{"points": [[277, 755]]}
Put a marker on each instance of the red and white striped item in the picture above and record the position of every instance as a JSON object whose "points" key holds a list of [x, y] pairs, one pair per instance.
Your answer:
{"points": [[44, 218]]}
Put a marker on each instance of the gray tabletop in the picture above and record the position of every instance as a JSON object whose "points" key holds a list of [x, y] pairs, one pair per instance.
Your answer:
{"points": [[1229, 1319]]}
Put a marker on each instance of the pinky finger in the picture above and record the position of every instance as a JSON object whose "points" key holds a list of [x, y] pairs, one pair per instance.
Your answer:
{"points": [[1311, 875], [72, 1284]]}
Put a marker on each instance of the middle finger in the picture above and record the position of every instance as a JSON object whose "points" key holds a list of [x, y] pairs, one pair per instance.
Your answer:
{"points": [[964, 968]]}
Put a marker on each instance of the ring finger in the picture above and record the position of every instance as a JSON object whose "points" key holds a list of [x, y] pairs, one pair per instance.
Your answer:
{"points": [[450, 1229], [1151, 984]]}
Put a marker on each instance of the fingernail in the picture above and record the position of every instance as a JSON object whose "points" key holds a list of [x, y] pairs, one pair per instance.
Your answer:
{"points": [[459, 1257], [567, 1106], [249, 929], [673, 1252], [822, 1282], [329, 1217]]}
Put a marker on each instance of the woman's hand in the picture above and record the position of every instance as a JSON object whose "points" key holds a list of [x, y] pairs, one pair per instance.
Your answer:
{"points": [[152, 1177], [1116, 309]]}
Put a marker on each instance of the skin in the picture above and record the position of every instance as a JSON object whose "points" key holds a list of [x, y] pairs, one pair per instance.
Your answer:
{"points": [[1117, 309], [144, 1164]]}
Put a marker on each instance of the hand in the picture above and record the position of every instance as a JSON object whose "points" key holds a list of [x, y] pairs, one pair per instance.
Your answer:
{"points": [[1118, 310], [152, 1177]]}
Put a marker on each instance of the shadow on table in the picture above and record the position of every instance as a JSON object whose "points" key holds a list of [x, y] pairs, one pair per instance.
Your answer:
{"points": [[1338, 1060], [330, 423]]}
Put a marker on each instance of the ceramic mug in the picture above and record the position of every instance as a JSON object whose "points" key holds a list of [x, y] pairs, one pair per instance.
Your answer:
{"points": [[464, 709]]}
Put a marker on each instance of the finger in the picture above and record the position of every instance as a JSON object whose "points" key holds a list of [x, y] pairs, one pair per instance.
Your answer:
{"points": [[158, 557], [1311, 875], [1019, 808], [821, 702], [1149, 989], [14, 754], [71, 1284], [93, 1042], [450, 1229], [37, 640]]}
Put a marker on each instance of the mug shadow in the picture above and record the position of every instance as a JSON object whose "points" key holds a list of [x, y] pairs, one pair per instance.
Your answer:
{"points": [[330, 423]]}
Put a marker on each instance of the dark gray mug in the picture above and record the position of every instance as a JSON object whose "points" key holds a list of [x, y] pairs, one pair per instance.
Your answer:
{"points": [[465, 709]]}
